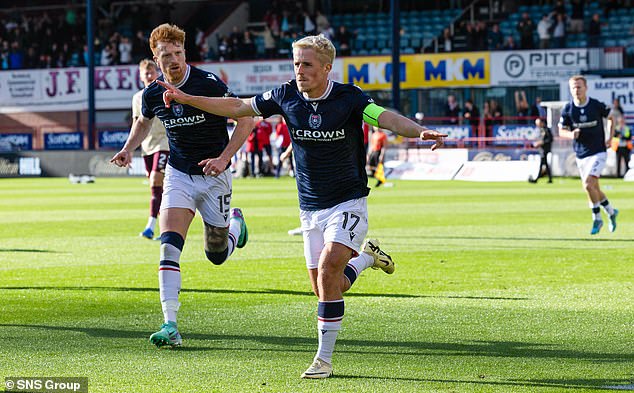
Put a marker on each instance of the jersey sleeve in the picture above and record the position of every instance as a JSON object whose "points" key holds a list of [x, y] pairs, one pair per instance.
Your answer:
{"points": [[269, 103], [566, 120], [364, 104], [216, 87], [604, 109], [145, 109]]}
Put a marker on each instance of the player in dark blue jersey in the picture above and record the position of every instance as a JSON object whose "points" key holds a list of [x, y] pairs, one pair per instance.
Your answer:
{"points": [[582, 121], [325, 124], [198, 140]]}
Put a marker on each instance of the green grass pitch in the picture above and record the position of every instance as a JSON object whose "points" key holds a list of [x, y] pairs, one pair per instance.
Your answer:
{"points": [[498, 288]]}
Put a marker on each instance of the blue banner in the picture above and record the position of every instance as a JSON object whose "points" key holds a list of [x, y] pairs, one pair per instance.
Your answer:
{"points": [[64, 141], [16, 142], [515, 134], [112, 139]]}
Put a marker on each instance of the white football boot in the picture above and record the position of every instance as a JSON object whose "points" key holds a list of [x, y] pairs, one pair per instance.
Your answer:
{"points": [[381, 260], [319, 369]]}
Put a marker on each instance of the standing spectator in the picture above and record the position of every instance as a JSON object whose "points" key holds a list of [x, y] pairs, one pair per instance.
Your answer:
{"points": [[617, 109], [526, 27], [321, 21], [125, 51], [537, 110], [495, 38], [559, 32], [107, 55], [521, 105], [283, 141], [496, 113], [248, 50], [594, 31], [471, 115], [309, 25], [446, 41], [264, 131], [452, 110], [543, 31], [140, 47], [254, 151], [344, 38], [16, 56], [487, 118], [576, 17], [544, 144], [270, 45], [622, 143]]}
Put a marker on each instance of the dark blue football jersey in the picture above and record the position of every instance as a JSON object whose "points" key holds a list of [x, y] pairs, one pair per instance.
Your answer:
{"points": [[193, 134], [327, 139], [589, 119]]}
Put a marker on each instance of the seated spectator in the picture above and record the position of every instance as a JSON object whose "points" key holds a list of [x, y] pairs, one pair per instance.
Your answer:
{"points": [[510, 43]]}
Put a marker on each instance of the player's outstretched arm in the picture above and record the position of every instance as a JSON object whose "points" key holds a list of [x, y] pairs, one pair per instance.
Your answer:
{"points": [[408, 128], [140, 129], [220, 106], [215, 166]]}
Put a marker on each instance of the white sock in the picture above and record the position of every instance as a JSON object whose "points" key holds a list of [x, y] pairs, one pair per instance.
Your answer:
{"points": [[169, 281], [327, 339], [596, 211], [234, 234], [151, 222], [362, 262], [605, 204], [329, 318]]}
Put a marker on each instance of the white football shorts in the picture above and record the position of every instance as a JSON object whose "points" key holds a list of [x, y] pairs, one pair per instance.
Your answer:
{"points": [[345, 223], [592, 165], [210, 195]]}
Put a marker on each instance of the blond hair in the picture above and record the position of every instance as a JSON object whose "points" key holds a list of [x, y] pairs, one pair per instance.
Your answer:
{"points": [[320, 44], [147, 63], [166, 33], [575, 78]]}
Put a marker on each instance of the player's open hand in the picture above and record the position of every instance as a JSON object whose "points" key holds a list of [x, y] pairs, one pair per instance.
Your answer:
{"points": [[431, 135], [122, 159], [171, 93], [213, 166]]}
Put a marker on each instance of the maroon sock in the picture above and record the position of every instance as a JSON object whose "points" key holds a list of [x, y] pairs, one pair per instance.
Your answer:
{"points": [[155, 201]]}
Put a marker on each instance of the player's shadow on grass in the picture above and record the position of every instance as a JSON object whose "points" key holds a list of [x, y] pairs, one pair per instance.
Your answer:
{"points": [[513, 238], [495, 349], [27, 250], [256, 292], [573, 384]]}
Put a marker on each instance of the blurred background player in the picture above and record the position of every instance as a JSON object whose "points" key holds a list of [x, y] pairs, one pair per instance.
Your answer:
{"points": [[582, 121], [154, 148], [327, 138], [197, 176]]}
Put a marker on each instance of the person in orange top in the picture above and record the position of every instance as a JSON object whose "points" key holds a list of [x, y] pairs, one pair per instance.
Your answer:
{"points": [[378, 144]]}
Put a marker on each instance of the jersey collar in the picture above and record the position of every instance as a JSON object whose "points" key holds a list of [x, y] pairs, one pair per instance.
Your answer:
{"points": [[184, 78], [323, 96], [583, 104]]}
